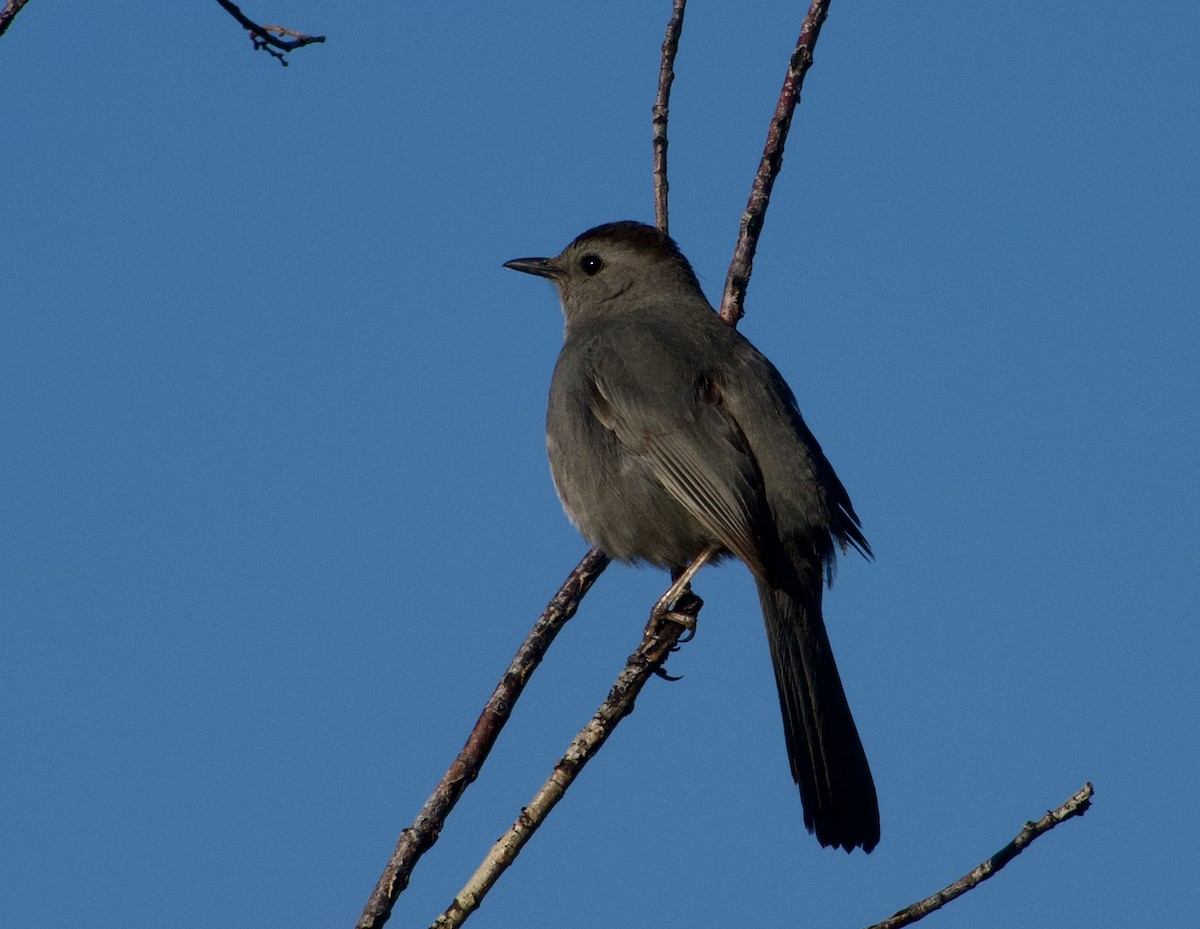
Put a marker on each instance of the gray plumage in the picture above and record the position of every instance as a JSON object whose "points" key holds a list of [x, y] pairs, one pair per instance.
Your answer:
{"points": [[667, 431]]}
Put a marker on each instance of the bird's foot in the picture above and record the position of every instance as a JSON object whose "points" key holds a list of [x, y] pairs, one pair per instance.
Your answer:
{"points": [[683, 611]]}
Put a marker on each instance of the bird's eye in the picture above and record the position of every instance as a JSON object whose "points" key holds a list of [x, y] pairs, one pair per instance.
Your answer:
{"points": [[590, 264]]}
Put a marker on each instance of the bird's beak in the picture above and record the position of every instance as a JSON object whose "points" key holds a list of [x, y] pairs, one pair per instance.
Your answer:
{"points": [[542, 267]]}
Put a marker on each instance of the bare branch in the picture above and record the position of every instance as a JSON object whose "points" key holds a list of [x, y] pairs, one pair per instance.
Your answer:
{"points": [[11, 9], [660, 638], [262, 36], [738, 279], [666, 75], [423, 833], [1076, 806]]}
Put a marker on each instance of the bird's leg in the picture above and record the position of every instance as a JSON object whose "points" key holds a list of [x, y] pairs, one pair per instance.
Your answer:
{"points": [[679, 604], [684, 580]]}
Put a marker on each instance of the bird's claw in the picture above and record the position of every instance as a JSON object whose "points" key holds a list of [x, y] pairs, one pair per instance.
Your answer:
{"points": [[683, 612]]}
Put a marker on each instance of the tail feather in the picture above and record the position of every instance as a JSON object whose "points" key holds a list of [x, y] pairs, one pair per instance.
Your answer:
{"points": [[827, 758]]}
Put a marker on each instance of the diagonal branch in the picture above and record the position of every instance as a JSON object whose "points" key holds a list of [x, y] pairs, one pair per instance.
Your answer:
{"points": [[1076, 806], [262, 36], [658, 641], [423, 833], [11, 9], [738, 279], [666, 75]]}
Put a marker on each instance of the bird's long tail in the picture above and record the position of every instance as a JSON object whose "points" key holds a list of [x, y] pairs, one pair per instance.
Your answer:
{"points": [[826, 754]]}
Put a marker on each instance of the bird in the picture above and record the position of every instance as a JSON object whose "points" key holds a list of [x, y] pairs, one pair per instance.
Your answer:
{"points": [[673, 441]]}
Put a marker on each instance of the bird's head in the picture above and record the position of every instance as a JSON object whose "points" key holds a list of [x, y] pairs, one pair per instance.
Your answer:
{"points": [[616, 267]]}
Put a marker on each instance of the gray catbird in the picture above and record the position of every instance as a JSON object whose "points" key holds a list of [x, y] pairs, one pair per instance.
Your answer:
{"points": [[668, 433]]}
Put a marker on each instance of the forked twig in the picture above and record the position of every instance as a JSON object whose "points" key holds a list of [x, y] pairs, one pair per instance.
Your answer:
{"points": [[262, 36], [423, 833], [750, 228], [666, 75], [1076, 806]]}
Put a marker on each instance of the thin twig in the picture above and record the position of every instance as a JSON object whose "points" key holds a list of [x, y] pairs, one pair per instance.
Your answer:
{"points": [[11, 9], [1076, 806], [658, 641], [666, 75], [738, 279], [263, 39], [423, 833]]}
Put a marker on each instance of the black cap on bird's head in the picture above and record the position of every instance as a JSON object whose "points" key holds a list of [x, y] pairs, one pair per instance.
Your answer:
{"points": [[615, 259]]}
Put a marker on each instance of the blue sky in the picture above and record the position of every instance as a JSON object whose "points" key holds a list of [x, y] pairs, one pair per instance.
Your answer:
{"points": [[275, 511]]}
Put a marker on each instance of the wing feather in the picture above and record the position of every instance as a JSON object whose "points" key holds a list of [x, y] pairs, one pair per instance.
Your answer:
{"points": [[699, 456]]}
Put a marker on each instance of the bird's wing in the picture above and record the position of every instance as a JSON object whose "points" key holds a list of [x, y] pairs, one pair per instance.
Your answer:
{"points": [[761, 402], [676, 424]]}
